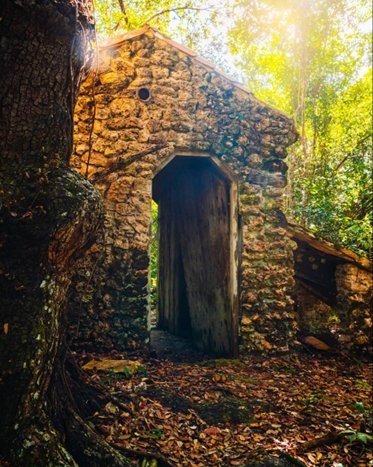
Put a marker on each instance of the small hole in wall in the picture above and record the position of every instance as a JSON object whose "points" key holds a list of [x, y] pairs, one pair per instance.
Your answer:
{"points": [[143, 94]]}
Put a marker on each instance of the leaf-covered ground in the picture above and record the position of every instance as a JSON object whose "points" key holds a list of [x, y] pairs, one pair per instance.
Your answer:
{"points": [[229, 412]]}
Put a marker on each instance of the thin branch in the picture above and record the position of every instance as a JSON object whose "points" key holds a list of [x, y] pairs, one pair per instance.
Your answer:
{"points": [[123, 10], [163, 461], [331, 437], [170, 10], [350, 154]]}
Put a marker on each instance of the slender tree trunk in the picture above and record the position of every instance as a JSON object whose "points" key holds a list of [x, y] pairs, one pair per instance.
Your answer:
{"points": [[48, 214]]}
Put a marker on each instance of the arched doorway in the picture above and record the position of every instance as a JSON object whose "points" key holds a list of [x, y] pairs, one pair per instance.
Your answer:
{"points": [[197, 283]]}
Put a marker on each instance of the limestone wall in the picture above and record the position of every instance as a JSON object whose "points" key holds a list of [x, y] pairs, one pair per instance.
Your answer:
{"points": [[354, 296], [191, 109], [313, 313]]}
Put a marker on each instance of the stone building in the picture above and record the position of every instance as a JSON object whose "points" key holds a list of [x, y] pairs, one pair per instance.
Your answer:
{"points": [[157, 122]]}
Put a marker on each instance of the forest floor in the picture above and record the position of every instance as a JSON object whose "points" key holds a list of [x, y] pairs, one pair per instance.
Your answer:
{"points": [[196, 411]]}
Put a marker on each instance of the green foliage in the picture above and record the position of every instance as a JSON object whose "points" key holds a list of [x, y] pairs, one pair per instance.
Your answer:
{"points": [[173, 17], [285, 368], [154, 254], [311, 59], [357, 436], [363, 384], [126, 373], [361, 438], [310, 403], [149, 463], [360, 406], [114, 376], [195, 25], [156, 433], [340, 189]]}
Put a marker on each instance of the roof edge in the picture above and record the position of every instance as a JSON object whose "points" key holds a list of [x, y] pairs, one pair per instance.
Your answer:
{"points": [[320, 244], [118, 40]]}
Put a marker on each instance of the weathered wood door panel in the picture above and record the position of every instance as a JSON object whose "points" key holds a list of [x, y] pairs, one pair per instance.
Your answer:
{"points": [[194, 254], [173, 307]]}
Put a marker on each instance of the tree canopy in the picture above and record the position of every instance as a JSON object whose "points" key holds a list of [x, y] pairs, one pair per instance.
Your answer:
{"points": [[311, 59]]}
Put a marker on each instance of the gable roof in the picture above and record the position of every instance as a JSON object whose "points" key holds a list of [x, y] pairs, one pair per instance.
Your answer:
{"points": [[118, 40]]}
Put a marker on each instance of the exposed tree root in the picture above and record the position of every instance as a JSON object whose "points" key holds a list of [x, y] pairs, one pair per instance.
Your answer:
{"points": [[77, 399], [162, 461], [73, 400], [330, 438], [87, 447], [293, 460], [274, 458]]}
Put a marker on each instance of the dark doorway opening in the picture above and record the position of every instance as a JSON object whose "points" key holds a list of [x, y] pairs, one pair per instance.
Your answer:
{"points": [[196, 275]]}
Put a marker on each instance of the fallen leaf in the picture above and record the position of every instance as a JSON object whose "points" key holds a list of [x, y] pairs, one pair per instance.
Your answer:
{"points": [[266, 344], [212, 430], [316, 343]]}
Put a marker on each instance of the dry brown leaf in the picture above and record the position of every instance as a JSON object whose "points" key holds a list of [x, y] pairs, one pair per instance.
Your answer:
{"points": [[316, 343], [212, 430], [266, 344]]}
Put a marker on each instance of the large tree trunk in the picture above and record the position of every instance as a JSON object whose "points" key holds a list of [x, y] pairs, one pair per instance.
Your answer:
{"points": [[48, 215]]}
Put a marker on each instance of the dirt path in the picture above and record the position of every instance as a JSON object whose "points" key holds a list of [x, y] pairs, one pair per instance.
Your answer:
{"points": [[164, 345]]}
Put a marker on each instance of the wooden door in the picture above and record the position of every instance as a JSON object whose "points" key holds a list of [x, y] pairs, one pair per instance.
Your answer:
{"points": [[194, 254]]}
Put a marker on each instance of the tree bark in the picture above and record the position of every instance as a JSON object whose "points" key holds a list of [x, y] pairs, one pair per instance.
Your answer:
{"points": [[48, 215]]}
